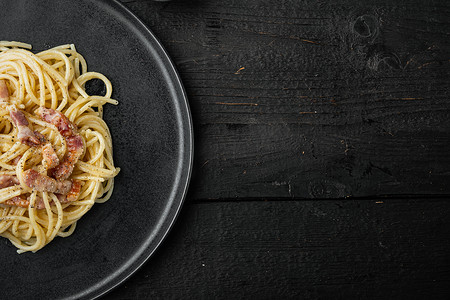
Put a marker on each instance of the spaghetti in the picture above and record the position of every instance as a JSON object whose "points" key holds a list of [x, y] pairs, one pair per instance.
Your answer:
{"points": [[55, 148]]}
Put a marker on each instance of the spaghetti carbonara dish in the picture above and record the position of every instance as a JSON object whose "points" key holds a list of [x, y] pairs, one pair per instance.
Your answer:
{"points": [[55, 148]]}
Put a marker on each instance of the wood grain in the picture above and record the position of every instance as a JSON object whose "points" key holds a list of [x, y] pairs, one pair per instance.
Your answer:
{"points": [[301, 249], [312, 100], [296, 103]]}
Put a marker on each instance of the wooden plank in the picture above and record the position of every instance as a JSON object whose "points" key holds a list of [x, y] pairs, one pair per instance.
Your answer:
{"points": [[312, 100], [380, 249]]}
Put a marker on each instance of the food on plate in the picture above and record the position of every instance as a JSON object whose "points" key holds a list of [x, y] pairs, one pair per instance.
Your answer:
{"points": [[56, 157]]}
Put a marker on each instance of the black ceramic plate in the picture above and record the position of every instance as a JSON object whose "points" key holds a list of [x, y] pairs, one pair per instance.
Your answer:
{"points": [[152, 136]]}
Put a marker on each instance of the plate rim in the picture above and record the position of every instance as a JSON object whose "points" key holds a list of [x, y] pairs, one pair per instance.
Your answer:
{"points": [[106, 287]]}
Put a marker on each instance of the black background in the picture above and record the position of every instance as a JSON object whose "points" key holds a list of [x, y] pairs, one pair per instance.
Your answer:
{"points": [[321, 150]]}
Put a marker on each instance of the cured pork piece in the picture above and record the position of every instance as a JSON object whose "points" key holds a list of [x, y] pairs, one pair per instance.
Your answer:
{"points": [[8, 180], [74, 151], [65, 127], [42, 183], [74, 141], [18, 201], [25, 135], [49, 157]]}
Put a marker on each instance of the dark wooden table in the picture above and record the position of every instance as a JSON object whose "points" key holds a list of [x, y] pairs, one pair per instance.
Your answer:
{"points": [[322, 138]]}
